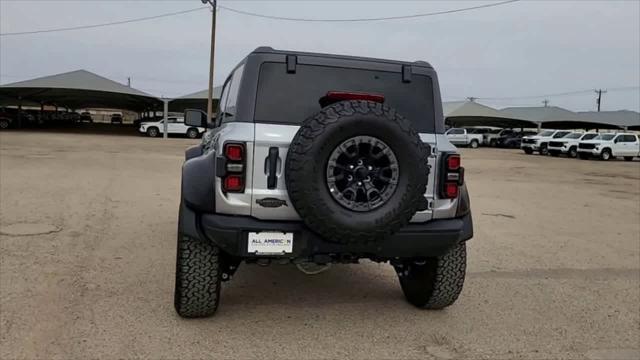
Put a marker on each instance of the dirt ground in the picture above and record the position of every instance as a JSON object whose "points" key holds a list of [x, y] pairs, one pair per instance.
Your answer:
{"points": [[554, 267]]}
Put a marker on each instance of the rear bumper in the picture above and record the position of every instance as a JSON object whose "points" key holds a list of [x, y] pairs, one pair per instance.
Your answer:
{"points": [[230, 233]]}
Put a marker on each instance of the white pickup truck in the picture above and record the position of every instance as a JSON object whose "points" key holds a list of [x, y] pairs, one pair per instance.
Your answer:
{"points": [[568, 145], [175, 126], [606, 146], [540, 142], [462, 137]]}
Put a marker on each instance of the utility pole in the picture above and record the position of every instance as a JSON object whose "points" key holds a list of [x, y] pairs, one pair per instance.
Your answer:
{"points": [[599, 99], [545, 102], [214, 4], [129, 81]]}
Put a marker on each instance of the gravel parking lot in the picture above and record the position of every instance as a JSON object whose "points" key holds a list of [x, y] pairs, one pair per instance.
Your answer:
{"points": [[554, 266]]}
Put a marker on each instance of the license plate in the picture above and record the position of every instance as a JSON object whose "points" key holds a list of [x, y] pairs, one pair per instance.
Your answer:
{"points": [[274, 243]]}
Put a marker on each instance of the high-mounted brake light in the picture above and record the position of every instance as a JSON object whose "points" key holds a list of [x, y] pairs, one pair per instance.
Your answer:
{"points": [[234, 152], [336, 96]]}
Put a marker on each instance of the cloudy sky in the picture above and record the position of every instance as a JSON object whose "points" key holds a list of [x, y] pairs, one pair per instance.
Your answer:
{"points": [[509, 53]]}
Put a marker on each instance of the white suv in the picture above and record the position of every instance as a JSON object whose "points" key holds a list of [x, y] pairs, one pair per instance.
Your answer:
{"points": [[568, 145], [606, 146], [175, 125]]}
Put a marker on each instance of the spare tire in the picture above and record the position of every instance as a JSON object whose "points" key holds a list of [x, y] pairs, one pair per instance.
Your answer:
{"points": [[356, 172]]}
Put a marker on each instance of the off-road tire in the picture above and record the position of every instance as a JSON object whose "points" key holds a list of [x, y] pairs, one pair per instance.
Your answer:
{"points": [[605, 155], [305, 171], [192, 133], [573, 152], [528, 151], [198, 277], [153, 131], [438, 282], [628, 158], [474, 144], [544, 149]]}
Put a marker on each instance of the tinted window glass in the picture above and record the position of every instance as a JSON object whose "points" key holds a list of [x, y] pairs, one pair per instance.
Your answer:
{"points": [[606, 137], [561, 134], [546, 133], [456, 132], [629, 138], [589, 136], [291, 98]]}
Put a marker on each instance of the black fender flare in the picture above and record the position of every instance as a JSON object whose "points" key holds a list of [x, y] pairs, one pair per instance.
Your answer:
{"points": [[198, 181]]}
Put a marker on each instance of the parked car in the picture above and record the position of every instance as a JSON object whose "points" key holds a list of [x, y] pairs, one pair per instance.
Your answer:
{"points": [[491, 138], [85, 116], [568, 145], [463, 137], [146, 119], [6, 120], [512, 140], [116, 119], [479, 130], [175, 126], [331, 159], [607, 146], [540, 142]]}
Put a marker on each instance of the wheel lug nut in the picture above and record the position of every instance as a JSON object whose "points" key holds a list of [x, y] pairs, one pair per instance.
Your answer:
{"points": [[359, 183], [370, 167], [351, 167]]}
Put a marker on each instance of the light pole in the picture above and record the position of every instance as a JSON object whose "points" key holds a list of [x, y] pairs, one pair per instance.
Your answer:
{"points": [[214, 4]]}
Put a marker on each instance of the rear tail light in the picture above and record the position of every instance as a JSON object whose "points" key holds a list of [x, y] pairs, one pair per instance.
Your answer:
{"points": [[452, 176], [234, 174]]}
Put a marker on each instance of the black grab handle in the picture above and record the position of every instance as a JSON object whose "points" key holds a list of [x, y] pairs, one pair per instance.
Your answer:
{"points": [[272, 180]]}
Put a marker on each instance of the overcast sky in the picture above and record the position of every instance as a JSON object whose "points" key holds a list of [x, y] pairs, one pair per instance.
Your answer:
{"points": [[514, 50]]}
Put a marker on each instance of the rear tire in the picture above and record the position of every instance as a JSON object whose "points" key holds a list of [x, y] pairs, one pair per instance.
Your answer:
{"points": [[474, 144], [605, 154], [628, 158], [438, 282], [198, 280], [153, 132], [528, 151]]}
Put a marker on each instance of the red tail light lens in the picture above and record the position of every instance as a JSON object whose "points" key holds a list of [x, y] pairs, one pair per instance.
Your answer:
{"points": [[451, 190], [234, 152], [453, 162], [336, 96], [233, 183]]}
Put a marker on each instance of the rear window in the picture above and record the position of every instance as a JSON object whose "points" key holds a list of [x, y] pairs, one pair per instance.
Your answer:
{"points": [[290, 98]]}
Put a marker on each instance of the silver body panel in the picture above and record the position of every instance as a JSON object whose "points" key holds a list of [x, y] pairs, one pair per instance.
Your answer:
{"points": [[260, 137]]}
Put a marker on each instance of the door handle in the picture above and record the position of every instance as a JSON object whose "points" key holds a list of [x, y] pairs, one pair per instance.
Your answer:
{"points": [[272, 159]]}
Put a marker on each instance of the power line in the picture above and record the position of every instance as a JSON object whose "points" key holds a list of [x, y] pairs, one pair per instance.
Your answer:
{"points": [[242, 12], [576, 92], [103, 24], [273, 17]]}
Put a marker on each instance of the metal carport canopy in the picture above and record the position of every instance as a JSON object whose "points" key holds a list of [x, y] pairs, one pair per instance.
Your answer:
{"points": [[554, 117], [78, 89], [197, 100], [625, 119], [469, 113]]}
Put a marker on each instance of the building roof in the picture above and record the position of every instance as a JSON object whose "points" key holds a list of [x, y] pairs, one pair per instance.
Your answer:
{"points": [[541, 113], [203, 94], [78, 89], [470, 113], [196, 100]]}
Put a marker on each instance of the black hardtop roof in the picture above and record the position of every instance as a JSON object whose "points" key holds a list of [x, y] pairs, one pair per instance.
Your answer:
{"points": [[270, 50]]}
